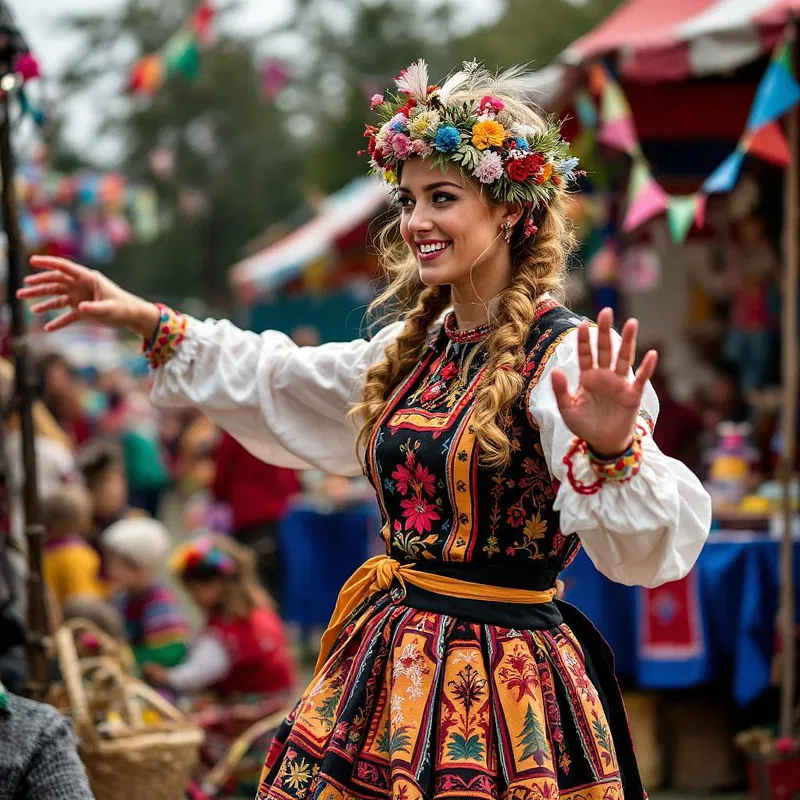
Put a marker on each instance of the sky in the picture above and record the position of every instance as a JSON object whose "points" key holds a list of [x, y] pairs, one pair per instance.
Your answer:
{"points": [[53, 46]]}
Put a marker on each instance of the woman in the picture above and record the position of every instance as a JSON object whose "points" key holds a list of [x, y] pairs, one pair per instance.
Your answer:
{"points": [[498, 441]]}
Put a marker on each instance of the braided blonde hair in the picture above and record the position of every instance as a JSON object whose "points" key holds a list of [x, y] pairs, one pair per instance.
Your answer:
{"points": [[539, 265]]}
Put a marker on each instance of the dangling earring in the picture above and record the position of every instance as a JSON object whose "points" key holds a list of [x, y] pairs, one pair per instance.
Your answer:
{"points": [[507, 228]]}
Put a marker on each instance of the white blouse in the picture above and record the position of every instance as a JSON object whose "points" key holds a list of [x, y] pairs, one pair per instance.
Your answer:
{"points": [[288, 406]]}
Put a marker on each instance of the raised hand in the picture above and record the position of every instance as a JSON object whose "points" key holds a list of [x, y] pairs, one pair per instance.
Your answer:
{"points": [[88, 295], [603, 409]]}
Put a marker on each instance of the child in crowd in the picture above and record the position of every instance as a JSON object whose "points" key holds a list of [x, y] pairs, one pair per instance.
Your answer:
{"points": [[104, 474], [154, 623], [69, 565], [242, 656], [243, 648]]}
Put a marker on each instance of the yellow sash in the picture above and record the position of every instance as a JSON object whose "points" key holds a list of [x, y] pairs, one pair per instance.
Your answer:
{"points": [[377, 575]]}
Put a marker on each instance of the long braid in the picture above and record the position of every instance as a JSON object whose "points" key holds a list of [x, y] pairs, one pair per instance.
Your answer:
{"points": [[401, 356], [540, 269]]}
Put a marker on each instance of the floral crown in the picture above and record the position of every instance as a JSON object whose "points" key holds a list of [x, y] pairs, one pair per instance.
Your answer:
{"points": [[517, 162], [201, 552]]}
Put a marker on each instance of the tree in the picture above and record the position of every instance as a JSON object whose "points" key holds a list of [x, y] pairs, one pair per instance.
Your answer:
{"points": [[235, 165]]}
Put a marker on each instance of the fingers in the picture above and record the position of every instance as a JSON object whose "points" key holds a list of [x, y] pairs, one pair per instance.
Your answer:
{"points": [[605, 320], [61, 265], [101, 310], [44, 290], [46, 277], [62, 321], [51, 305], [627, 350], [646, 370], [561, 389], [585, 354]]}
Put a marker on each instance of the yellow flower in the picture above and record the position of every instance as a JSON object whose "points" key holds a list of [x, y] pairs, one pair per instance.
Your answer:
{"points": [[488, 133], [390, 176], [535, 527], [423, 122]]}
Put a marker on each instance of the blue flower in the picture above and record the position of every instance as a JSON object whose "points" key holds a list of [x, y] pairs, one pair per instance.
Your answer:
{"points": [[522, 143], [567, 165], [447, 140]]}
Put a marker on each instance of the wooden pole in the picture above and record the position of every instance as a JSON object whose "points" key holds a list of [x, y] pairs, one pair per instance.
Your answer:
{"points": [[791, 286], [37, 627]]}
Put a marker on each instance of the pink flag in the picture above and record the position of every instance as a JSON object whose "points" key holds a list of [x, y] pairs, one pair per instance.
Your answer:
{"points": [[649, 202], [619, 134]]}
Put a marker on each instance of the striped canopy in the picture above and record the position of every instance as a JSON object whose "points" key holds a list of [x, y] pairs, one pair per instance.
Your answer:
{"points": [[661, 40], [339, 214]]}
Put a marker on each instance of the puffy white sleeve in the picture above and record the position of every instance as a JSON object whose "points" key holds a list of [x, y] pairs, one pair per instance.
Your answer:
{"points": [[286, 404], [644, 531]]}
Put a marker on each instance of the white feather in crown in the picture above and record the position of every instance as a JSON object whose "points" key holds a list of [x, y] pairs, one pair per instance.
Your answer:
{"points": [[413, 81], [475, 80]]}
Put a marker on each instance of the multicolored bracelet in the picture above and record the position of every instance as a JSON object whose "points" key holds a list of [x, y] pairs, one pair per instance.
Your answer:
{"points": [[170, 333], [621, 468]]}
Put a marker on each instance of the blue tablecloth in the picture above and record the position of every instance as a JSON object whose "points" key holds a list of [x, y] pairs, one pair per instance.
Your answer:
{"points": [[320, 552], [727, 608]]}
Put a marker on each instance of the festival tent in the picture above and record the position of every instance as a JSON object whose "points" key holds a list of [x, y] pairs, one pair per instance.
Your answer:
{"points": [[340, 215]]}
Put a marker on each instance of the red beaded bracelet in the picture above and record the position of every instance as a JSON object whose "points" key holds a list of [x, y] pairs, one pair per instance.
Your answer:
{"points": [[621, 468], [170, 333]]}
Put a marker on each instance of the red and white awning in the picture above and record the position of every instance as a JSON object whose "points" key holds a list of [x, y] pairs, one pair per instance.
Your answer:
{"points": [[659, 40], [339, 214]]}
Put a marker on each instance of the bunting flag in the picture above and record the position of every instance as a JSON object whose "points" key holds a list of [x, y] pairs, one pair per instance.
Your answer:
{"points": [[179, 56], [769, 143], [616, 120], [646, 198], [681, 214], [778, 90], [777, 93]]}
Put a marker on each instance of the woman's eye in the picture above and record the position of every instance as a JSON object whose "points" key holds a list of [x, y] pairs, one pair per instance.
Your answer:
{"points": [[443, 197], [404, 202]]}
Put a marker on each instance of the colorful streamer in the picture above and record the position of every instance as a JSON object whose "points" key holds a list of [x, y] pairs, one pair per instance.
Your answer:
{"points": [[777, 93], [179, 56]]}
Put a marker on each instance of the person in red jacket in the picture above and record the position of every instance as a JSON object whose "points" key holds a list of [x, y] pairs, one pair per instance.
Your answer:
{"points": [[258, 495], [240, 667]]}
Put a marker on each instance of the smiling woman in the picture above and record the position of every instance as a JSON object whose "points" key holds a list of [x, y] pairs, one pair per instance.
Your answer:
{"points": [[500, 433]]}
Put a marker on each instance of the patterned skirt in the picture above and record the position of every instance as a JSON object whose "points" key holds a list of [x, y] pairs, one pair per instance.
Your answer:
{"points": [[416, 702]]}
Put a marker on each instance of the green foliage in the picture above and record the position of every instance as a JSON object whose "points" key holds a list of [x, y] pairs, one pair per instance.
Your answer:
{"points": [[533, 738], [463, 749]]}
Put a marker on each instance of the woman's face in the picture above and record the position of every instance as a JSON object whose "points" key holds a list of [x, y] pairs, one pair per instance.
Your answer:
{"points": [[207, 594], [448, 225]]}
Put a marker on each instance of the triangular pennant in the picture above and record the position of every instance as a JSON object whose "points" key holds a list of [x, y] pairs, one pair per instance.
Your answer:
{"points": [[645, 196], [776, 94], [700, 213], [724, 177], [620, 134], [639, 177], [178, 50], [598, 78], [783, 55], [769, 143], [614, 104], [585, 109], [681, 212]]}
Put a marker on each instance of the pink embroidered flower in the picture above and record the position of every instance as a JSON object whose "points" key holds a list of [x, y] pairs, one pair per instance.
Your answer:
{"points": [[401, 145], [375, 101], [402, 476], [489, 168], [419, 514], [425, 480]]}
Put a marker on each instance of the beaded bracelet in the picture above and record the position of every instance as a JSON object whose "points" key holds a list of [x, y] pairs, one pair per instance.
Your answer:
{"points": [[621, 467], [170, 333]]}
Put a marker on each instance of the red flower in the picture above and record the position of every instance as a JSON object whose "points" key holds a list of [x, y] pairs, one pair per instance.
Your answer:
{"points": [[403, 478], [419, 514], [518, 169], [536, 160], [410, 103], [489, 103], [449, 371], [425, 480]]}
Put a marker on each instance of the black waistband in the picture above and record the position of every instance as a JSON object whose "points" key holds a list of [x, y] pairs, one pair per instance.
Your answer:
{"points": [[528, 576]]}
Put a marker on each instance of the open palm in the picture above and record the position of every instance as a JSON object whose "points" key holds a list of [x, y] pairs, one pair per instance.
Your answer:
{"points": [[603, 409], [84, 294]]}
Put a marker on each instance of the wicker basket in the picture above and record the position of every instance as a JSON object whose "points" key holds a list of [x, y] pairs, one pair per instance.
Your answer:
{"points": [[129, 760]]}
